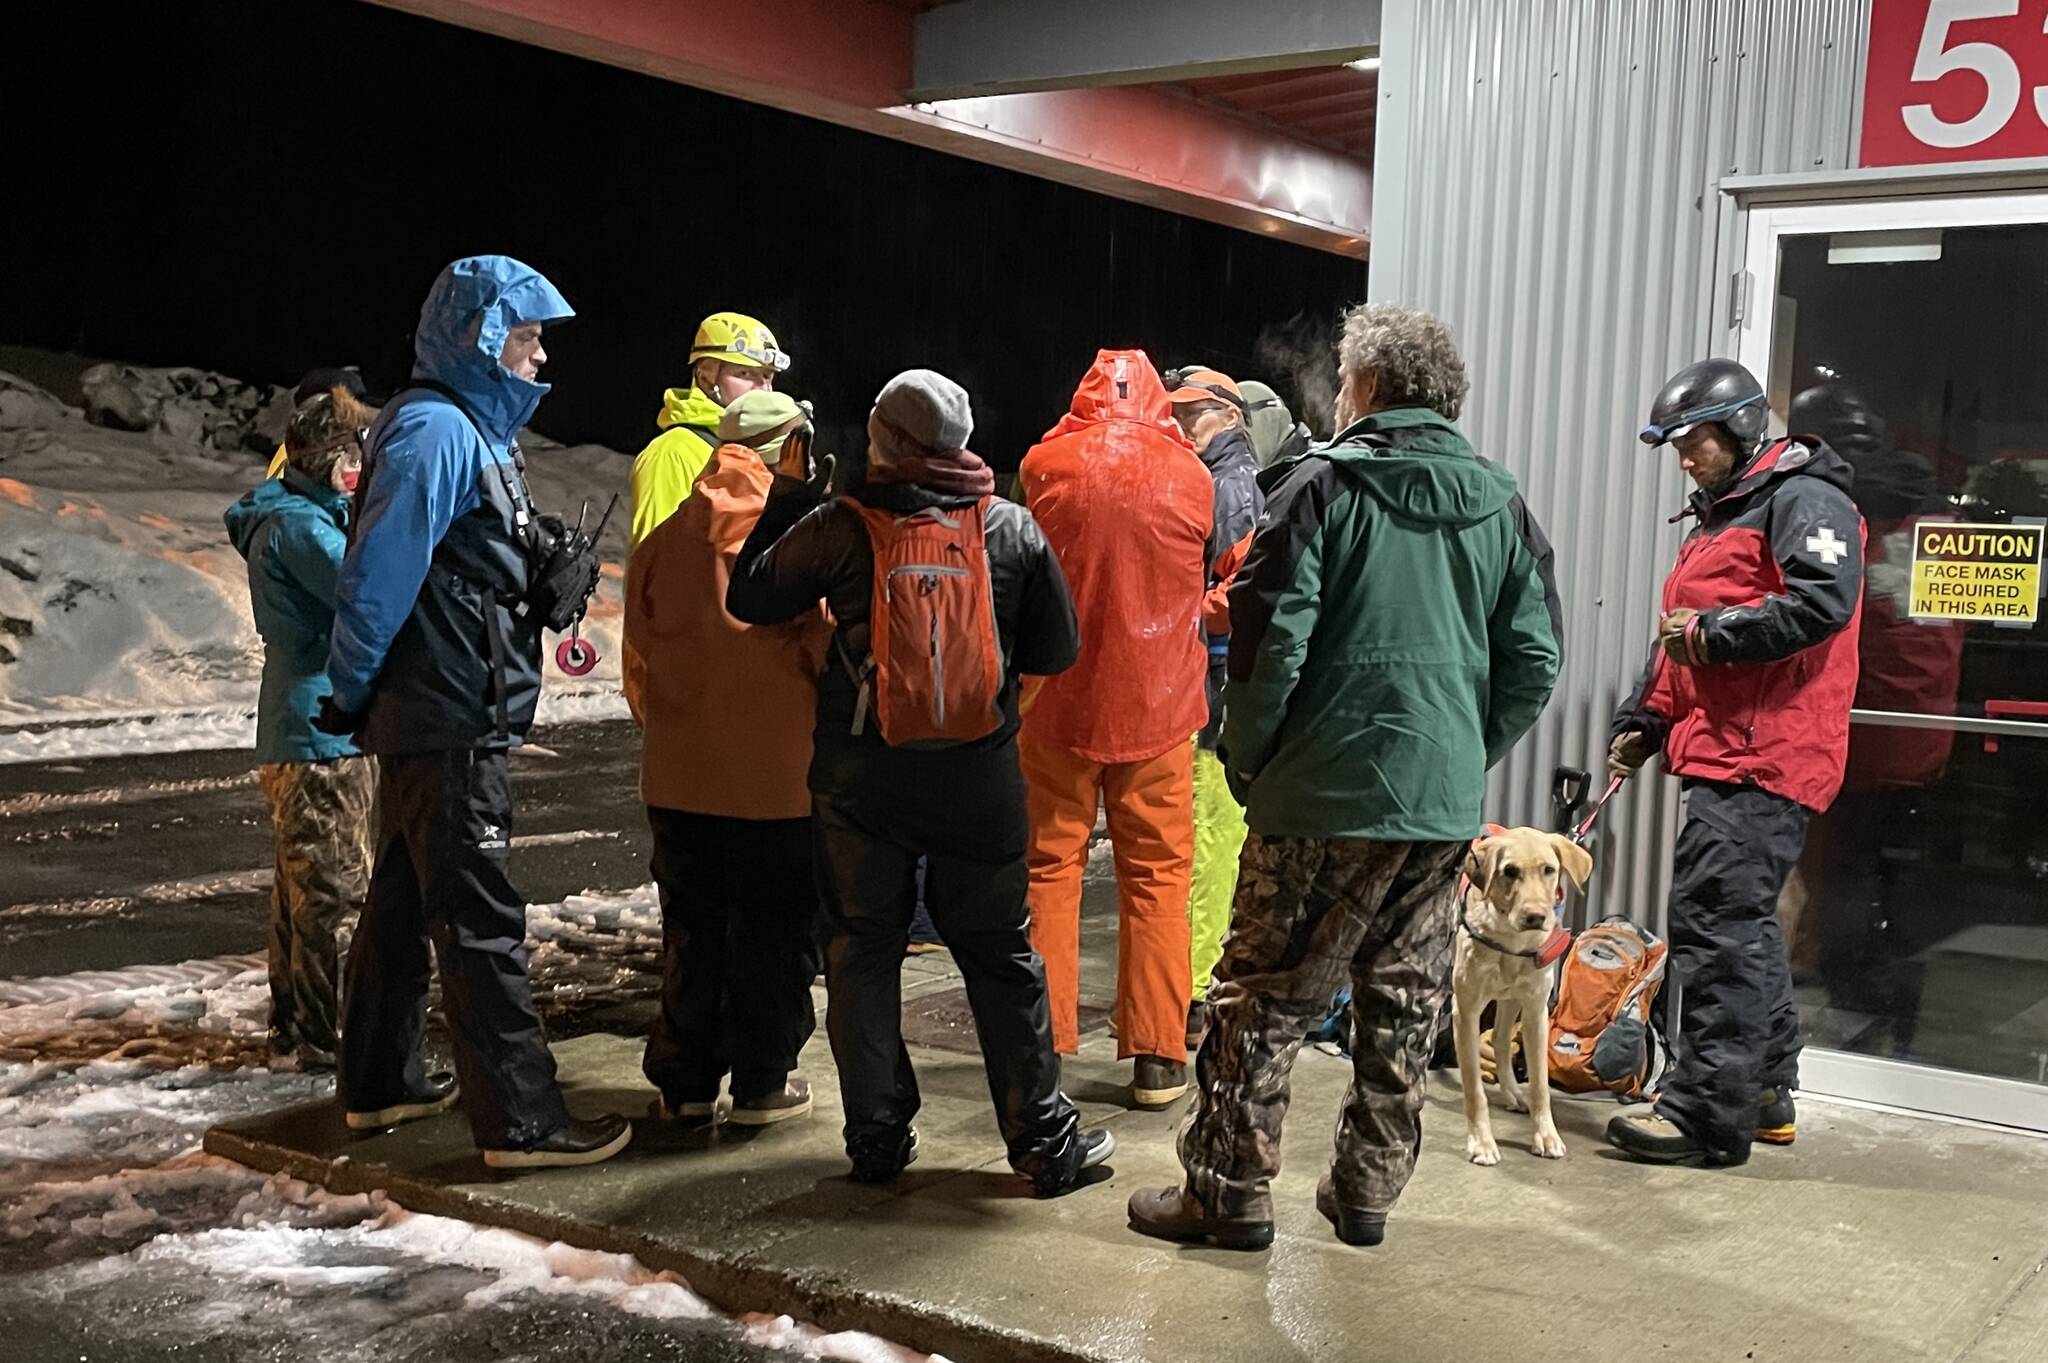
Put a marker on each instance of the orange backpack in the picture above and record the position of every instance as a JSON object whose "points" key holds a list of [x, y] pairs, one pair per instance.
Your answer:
{"points": [[934, 673], [1600, 1032]]}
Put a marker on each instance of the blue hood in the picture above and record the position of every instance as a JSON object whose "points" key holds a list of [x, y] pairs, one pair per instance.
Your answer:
{"points": [[500, 293]]}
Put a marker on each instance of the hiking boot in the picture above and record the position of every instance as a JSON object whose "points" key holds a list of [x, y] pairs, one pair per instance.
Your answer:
{"points": [[883, 1160], [578, 1143], [1776, 1119], [1094, 1147], [440, 1095], [1156, 1082], [1198, 1024], [1174, 1214], [1363, 1229], [793, 1099], [1656, 1140]]}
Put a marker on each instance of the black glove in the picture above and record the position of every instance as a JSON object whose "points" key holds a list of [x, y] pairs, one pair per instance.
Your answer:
{"points": [[562, 588], [332, 719]]}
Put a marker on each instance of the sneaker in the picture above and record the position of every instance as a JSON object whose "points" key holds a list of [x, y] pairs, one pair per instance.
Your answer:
{"points": [[1655, 1140], [1363, 1229], [1776, 1119], [793, 1099], [662, 1110], [1172, 1214], [1094, 1147], [884, 1160], [576, 1144], [440, 1095], [1198, 1024], [1156, 1082]]}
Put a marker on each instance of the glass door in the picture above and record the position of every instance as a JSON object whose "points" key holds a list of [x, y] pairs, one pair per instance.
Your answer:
{"points": [[1912, 335]]}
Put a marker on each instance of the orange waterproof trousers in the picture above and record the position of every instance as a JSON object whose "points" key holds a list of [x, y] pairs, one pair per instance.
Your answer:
{"points": [[1150, 807]]}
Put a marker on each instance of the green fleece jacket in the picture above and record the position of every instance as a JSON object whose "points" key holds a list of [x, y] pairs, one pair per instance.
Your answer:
{"points": [[1395, 630]]}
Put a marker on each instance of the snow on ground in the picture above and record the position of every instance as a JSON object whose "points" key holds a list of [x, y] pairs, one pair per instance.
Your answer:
{"points": [[121, 599], [120, 1239]]}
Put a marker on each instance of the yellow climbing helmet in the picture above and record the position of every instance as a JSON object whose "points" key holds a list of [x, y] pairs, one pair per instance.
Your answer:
{"points": [[736, 338]]}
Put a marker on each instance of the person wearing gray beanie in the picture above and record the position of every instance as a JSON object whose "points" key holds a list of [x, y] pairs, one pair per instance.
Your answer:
{"points": [[956, 803], [918, 432]]}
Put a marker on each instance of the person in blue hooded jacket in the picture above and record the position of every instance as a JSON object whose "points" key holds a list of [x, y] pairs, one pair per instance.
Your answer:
{"points": [[435, 665], [291, 529]]}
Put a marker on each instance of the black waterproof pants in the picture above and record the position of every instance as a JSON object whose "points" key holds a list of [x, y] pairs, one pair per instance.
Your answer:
{"points": [[1739, 1031], [739, 909], [968, 821], [443, 843]]}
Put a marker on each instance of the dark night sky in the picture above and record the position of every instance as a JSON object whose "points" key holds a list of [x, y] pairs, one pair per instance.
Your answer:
{"points": [[262, 187]]}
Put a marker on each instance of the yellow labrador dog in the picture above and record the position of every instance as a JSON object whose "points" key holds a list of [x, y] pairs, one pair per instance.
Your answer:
{"points": [[1509, 943]]}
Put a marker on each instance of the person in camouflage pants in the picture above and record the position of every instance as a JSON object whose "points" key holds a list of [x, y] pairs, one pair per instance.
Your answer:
{"points": [[292, 529], [1393, 632], [1312, 916], [320, 822]]}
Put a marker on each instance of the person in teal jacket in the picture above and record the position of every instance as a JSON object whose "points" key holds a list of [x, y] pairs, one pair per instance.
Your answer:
{"points": [[1394, 632], [292, 529]]}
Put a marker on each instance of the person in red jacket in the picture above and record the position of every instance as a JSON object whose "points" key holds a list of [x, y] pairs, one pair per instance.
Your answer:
{"points": [[1747, 696], [1127, 507]]}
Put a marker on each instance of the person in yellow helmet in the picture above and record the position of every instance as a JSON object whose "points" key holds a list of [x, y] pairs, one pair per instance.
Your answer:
{"points": [[733, 354]]}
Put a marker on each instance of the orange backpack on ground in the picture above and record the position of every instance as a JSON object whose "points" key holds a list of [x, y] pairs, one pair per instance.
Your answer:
{"points": [[934, 672], [1600, 1031]]}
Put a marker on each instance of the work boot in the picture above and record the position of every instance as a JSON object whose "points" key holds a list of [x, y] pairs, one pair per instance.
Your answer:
{"points": [[883, 1160], [1156, 1082], [576, 1144], [1198, 1024], [793, 1099], [1652, 1139], [1175, 1214], [438, 1097], [1776, 1119], [1063, 1176], [1354, 1227]]}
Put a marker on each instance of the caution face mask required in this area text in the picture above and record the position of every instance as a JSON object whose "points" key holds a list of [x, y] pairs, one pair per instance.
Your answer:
{"points": [[1977, 572]]}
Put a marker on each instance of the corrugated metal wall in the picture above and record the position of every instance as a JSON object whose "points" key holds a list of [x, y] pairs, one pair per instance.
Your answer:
{"points": [[1546, 182]]}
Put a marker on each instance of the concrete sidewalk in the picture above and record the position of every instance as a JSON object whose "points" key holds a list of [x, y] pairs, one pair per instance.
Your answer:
{"points": [[1875, 1238]]}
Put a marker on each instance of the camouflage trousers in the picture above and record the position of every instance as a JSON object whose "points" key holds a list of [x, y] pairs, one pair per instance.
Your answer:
{"points": [[320, 827], [1313, 915]]}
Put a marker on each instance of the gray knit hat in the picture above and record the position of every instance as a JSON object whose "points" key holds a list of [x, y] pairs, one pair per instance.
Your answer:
{"points": [[923, 408]]}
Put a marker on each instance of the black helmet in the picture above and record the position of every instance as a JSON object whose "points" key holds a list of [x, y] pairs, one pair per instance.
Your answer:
{"points": [[1712, 390], [1837, 414]]}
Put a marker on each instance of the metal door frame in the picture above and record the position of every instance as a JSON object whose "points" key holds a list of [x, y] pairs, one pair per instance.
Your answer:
{"points": [[1892, 1083]]}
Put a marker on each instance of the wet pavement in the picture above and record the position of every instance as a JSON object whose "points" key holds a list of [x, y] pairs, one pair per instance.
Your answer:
{"points": [[167, 857], [119, 1241]]}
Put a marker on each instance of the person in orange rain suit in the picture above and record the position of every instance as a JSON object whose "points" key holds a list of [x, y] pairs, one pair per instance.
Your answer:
{"points": [[1127, 507]]}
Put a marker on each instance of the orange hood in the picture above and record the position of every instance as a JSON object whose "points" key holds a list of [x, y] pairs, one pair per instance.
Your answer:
{"points": [[1121, 385]]}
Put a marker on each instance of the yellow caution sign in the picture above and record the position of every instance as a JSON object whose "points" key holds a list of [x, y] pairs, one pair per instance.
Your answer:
{"points": [[1976, 572]]}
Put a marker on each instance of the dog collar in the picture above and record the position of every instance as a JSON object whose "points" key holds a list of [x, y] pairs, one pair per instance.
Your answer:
{"points": [[1553, 947]]}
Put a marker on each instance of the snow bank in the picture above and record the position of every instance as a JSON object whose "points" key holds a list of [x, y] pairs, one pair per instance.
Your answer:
{"points": [[122, 601]]}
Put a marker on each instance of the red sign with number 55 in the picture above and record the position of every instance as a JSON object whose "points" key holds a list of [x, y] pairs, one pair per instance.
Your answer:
{"points": [[1955, 80]]}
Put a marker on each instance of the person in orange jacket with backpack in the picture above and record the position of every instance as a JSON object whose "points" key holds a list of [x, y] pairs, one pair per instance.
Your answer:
{"points": [[944, 597], [1127, 506]]}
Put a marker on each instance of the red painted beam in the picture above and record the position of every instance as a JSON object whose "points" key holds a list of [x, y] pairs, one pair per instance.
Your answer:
{"points": [[849, 61]]}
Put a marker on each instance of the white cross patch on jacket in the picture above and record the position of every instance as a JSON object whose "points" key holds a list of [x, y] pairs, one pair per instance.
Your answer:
{"points": [[1825, 547]]}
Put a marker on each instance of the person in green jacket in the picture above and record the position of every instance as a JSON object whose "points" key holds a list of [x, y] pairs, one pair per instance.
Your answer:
{"points": [[292, 530], [1394, 631]]}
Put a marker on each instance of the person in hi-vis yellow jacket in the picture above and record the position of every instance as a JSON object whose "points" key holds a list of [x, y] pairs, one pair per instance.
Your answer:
{"points": [[732, 354]]}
